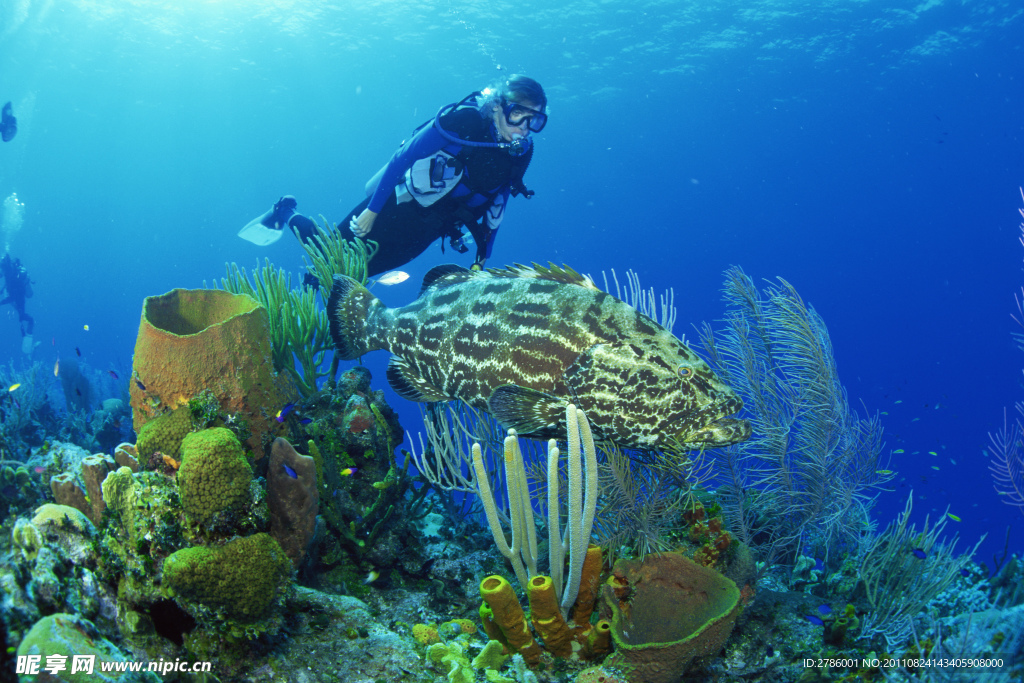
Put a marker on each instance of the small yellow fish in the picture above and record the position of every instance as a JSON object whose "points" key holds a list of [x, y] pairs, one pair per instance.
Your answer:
{"points": [[900, 401], [935, 468], [915, 419], [899, 450], [349, 471], [85, 327], [56, 367], [932, 453], [885, 472], [371, 577], [953, 517], [884, 413], [13, 386]]}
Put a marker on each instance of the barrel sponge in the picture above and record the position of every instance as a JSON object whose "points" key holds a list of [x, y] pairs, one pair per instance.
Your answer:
{"points": [[164, 433], [240, 579], [214, 475]]}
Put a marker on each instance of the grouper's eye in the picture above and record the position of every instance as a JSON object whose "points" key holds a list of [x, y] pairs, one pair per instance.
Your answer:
{"points": [[684, 372]]}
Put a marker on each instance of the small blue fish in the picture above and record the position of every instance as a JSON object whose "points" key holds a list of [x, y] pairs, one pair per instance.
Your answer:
{"points": [[305, 420], [140, 385], [920, 554], [964, 573], [289, 471], [284, 411], [814, 620], [824, 609]]}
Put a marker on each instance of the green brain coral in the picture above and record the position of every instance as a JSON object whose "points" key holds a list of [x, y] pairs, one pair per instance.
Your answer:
{"points": [[240, 579], [214, 475], [164, 433]]}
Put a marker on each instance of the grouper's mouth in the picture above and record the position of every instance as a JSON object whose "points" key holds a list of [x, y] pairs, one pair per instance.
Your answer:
{"points": [[718, 431]]}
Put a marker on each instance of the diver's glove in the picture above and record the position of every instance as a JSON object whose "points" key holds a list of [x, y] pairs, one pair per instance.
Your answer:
{"points": [[477, 266]]}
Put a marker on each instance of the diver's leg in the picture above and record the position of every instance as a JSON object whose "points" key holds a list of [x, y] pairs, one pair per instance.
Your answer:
{"points": [[402, 232], [304, 226]]}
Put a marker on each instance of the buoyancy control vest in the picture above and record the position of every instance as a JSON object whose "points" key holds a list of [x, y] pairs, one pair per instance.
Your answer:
{"points": [[472, 178]]}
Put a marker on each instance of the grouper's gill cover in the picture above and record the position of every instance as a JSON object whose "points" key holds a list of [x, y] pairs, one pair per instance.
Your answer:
{"points": [[522, 342]]}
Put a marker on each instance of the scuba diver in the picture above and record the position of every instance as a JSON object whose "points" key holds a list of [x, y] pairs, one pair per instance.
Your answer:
{"points": [[8, 124], [19, 288], [457, 170]]}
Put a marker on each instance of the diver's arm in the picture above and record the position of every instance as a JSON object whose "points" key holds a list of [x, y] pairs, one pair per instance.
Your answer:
{"points": [[484, 238], [424, 143], [487, 229]]}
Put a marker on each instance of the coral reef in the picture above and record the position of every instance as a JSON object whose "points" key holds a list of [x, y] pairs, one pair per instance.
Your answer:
{"points": [[192, 341]]}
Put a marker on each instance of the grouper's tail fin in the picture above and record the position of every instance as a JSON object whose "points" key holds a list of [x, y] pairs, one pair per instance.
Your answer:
{"points": [[352, 311]]}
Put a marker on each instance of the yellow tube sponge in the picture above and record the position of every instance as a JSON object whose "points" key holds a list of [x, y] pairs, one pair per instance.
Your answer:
{"points": [[590, 584], [547, 618], [599, 639], [508, 616]]}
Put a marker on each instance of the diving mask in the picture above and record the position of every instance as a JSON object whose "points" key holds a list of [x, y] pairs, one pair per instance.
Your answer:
{"points": [[515, 114]]}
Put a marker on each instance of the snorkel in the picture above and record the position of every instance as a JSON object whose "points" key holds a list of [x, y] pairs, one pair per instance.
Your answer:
{"points": [[519, 145]]}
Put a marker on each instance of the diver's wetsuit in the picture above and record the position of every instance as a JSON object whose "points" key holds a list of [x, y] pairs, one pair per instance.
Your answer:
{"points": [[403, 230], [19, 288]]}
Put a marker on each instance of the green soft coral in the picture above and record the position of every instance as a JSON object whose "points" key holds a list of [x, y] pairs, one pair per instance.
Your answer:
{"points": [[240, 579], [214, 475]]}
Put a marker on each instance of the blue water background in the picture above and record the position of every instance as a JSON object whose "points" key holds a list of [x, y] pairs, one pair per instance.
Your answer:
{"points": [[869, 153]]}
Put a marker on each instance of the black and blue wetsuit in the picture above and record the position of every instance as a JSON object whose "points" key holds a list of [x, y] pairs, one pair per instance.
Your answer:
{"points": [[484, 178], [19, 288]]}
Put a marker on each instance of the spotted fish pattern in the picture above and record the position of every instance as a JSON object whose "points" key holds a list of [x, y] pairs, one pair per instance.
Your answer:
{"points": [[522, 342]]}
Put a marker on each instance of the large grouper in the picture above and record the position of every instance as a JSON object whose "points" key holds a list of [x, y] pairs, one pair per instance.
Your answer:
{"points": [[523, 342]]}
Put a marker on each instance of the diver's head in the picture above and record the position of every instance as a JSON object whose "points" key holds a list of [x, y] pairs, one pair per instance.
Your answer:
{"points": [[517, 107]]}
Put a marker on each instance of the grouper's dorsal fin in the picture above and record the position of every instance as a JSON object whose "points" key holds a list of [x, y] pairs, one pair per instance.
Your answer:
{"points": [[449, 272], [551, 273]]}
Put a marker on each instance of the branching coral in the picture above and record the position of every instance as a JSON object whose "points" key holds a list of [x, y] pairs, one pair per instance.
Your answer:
{"points": [[331, 254], [902, 571], [1007, 464], [299, 332], [808, 475]]}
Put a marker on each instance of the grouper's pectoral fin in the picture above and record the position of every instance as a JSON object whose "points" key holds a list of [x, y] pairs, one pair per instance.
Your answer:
{"points": [[528, 411], [409, 383]]}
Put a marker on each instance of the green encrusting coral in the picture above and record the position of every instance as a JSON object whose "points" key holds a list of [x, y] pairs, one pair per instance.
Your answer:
{"points": [[164, 433], [299, 329], [62, 635], [214, 475], [240, 579]]}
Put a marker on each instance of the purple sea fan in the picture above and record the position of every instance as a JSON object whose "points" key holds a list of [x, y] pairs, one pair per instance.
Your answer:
{"points": [[1007, 464]]}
